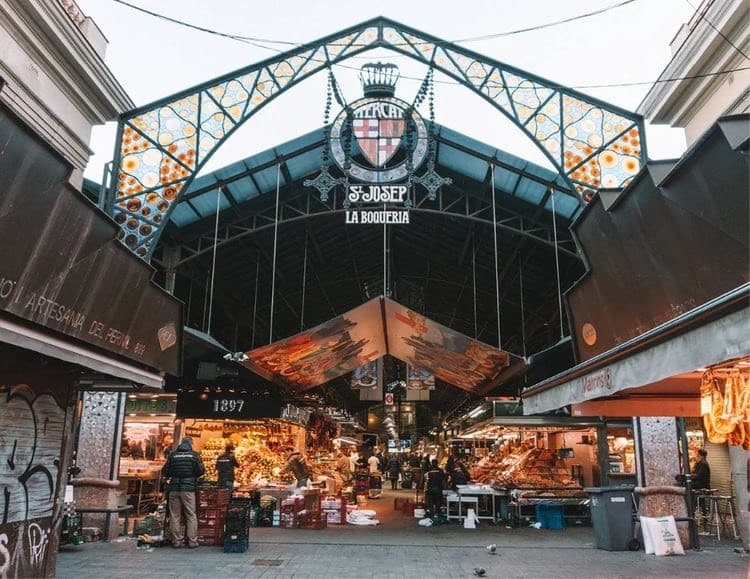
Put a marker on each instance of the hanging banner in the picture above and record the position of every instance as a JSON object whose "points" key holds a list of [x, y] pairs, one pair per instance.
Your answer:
{"points": [[366, 377], [357, 338], [325, 352], [419, 378], [374, 393], [448, 355]]}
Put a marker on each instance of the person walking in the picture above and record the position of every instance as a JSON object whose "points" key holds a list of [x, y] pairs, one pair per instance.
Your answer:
{"points": [[373, 464], [434, 485], [225, 465], [183, 469], [394, 470]]}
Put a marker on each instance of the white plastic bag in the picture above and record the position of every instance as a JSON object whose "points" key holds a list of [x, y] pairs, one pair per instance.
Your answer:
{"points": [[425, 523]]}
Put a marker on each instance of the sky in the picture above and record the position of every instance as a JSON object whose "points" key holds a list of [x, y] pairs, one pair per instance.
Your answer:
{"points": [[153, 58]]}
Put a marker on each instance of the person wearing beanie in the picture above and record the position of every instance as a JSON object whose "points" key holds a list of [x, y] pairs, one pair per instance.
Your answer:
{"points": [[183, 469]]}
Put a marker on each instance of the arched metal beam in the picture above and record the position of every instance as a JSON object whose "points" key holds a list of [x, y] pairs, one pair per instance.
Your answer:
{"points": [[260, 221], [162, 146]]}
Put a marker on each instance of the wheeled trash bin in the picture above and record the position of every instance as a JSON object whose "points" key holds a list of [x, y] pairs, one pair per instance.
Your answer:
{"points": [[612, 517]]}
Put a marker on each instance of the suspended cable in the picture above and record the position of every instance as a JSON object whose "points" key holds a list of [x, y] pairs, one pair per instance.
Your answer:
{"points": [[275, 242], [557, 264], [523, 313], [304, 283], [497, 267], [702, 16], [213, 259], [256, 42], [255, 298], [474, 280], [385, 258]]}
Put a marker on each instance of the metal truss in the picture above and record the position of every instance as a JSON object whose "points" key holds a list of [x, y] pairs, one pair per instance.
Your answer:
{"points": [[162, 146], [299, 204]]}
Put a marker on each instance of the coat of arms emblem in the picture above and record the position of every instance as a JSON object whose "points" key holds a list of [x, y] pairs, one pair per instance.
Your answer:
{"points": [[389, 134]]}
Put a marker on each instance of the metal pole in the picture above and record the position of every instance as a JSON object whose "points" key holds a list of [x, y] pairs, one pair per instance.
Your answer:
{"points": [[385, 257], [474, 281], [523, 314], [304, 284], [497, 271], [213, 259], [275, 242], [255, 299], [557, 264]]}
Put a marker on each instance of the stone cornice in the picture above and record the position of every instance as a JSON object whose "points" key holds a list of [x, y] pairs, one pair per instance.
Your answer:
{"points": [[703, 51], [60, 48]]}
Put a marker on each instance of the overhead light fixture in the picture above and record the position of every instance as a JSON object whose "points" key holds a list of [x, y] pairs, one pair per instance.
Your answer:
{"points": [[477, 411]]}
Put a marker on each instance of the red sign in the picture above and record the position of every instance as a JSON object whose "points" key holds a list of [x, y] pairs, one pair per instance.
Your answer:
{"points": [[389, 398]]}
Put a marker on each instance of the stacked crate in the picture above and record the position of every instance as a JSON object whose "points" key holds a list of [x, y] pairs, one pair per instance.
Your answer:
{"points": [[334, 508], [290, 509], [312, 517], [237, 526], [212, 510]]}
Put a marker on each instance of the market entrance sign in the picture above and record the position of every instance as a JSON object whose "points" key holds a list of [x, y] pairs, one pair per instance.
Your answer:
{"points": [[378, 143], [377, 195]]}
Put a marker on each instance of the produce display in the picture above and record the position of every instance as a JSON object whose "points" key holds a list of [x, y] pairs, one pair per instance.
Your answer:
{"points": [[531, 468], [255, 458]]}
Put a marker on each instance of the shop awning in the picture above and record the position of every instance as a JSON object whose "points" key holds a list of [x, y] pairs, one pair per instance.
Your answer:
{"points": [[378, 327], [711, 334]]}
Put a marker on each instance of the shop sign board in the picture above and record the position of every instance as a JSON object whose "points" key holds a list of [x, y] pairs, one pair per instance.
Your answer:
{"points": [[596, 384], [236, 406], [93, 289], [151, 406]]}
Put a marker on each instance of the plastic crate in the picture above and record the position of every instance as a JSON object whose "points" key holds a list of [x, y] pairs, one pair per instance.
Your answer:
{"points": [[236, 545], [550, 516], [213, 497], [313, 520]]}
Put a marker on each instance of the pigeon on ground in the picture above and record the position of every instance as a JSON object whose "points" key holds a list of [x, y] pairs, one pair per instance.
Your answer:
{"points": [[479, 571], [492, 549]]}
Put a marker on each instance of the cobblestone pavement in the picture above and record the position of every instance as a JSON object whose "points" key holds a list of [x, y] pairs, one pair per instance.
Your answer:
{"points": [[400, 548]]}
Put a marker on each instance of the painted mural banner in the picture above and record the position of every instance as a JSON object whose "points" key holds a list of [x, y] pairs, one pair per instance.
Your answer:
{"points": [[33, 425], [325, 352], [452, 357], [367, 376], [419, 378], [353, 340]]}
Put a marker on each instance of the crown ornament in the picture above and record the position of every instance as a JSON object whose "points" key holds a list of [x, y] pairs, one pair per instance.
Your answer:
{"points": [[379, 79]]}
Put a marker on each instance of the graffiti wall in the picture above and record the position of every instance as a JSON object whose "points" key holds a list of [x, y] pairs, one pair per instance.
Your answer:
{"points": [[32, 425]]}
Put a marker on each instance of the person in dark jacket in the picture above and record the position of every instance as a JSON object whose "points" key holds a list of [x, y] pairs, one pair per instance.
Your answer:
{"points": [[297, 465], [701, 472], [225, 465], [459, 474], [183, 469], [393, 468], [434, 485]]}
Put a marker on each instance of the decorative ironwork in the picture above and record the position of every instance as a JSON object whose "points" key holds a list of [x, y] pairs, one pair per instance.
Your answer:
{"points": [[161, 146], [432, 181]]}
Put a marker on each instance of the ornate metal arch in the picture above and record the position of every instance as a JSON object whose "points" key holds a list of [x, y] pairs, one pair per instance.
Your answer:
{"points": [[161, 147]]}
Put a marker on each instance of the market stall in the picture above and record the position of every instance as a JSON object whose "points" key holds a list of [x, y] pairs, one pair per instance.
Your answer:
{"points": [[147, 438], [544, 460]]}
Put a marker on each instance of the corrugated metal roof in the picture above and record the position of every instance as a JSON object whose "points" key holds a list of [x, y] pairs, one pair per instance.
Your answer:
{"points": [[256, 175]]}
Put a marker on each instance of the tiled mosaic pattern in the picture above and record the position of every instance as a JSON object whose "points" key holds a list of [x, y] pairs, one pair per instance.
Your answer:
{"points": [[161, 149]]}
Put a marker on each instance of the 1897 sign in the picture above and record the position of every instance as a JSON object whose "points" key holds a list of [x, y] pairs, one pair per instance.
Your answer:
{"points": [[239, 405]]}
